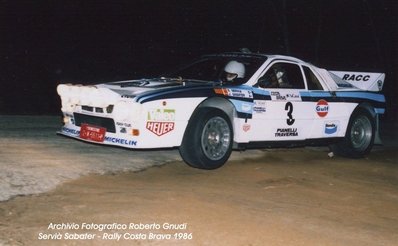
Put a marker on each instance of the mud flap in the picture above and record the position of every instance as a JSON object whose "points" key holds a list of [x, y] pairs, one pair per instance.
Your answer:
{"points": [[377, 132]]}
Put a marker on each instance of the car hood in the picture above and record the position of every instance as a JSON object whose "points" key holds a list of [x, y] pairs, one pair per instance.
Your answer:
{"points": [[132, 88], [102, 95]]}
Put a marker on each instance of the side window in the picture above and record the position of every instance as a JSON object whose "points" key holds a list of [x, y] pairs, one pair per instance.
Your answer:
{"points": [[282, 75], [312, 81]]}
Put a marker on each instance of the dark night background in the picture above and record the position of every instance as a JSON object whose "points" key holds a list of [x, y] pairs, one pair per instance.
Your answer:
{"points": [[45, 42]]}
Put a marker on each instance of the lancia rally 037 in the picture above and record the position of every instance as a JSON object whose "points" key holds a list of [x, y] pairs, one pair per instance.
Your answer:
{"points": [[229, 101]]}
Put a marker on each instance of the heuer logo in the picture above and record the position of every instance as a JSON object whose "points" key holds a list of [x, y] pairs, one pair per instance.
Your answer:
{"points": [[322, 108], [160, 121], [160, 128]]}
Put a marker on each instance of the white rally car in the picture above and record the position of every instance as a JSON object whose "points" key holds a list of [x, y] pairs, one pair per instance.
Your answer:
{"points": [[230, 101]]}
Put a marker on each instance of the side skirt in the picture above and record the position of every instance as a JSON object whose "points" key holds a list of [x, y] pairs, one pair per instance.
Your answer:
{"points": [[287, 144]]}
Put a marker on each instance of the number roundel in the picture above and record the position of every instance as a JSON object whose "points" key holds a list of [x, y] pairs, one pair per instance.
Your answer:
{"points": [[289, 108]]}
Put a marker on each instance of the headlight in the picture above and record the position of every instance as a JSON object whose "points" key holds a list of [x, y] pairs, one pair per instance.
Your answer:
{"points": [[68, 107], [121, 111], [62, 89], [126, 111], [74, 94], [69, 93], [85, 98], [102, 97], [94, 97]]}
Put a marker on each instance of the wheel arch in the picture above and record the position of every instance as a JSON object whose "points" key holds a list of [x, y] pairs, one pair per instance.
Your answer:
{"points": [[221, 103], [371, 110], [368, 107], [360, 135]]}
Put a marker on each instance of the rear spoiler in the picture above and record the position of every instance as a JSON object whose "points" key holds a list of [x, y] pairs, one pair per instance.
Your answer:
{"points": [[362, 80]]}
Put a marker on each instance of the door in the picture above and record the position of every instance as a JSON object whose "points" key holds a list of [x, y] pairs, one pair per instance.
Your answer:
{"points": [[279, 114]]}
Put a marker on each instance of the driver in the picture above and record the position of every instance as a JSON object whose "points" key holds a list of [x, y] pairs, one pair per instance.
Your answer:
{"points": [[234, 71]]}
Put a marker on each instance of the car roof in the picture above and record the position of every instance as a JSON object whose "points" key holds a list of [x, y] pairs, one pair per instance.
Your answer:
{"points": [[237, 54], [256, 55]]}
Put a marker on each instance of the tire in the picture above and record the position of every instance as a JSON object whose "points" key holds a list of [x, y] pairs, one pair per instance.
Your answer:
{"points": [[359, 137], [207, 142]]}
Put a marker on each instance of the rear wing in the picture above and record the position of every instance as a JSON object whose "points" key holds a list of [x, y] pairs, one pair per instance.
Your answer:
{"points": [[362, 80]]}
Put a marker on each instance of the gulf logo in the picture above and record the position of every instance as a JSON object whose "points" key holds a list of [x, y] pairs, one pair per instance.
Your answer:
{"points": [[322, 108]]}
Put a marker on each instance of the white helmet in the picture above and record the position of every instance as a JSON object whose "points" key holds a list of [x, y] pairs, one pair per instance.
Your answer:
{"points": [[235, 67]]}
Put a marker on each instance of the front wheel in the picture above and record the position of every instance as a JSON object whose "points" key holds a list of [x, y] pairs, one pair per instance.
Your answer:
{"points": [[359, 137], [207, 142]]}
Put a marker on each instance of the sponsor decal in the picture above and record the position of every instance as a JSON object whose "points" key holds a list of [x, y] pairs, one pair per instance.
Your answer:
{"points": [[246, 127], [240, 93], [121, 124], [286, 132], [276, 95], [161, 115], [160, 128], [70, 131], [160, 121], [120, 141], [346, 85], [241, 106], [322, 108], [355, 77], [246, 107], [234, 92], [331, 127], [259, 107], [290, 95]]}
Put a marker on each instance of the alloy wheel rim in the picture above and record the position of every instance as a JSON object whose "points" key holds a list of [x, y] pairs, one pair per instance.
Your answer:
{"points": [[216, 138], [361, 133]]}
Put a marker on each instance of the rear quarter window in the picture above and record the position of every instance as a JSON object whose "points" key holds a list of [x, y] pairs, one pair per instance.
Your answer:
{"points": [[312, 81]]}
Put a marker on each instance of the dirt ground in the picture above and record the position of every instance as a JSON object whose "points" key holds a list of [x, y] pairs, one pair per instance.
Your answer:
{"points": [[287, 197]]}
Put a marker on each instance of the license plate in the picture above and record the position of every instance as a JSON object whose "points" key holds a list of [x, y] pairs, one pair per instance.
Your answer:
{"points": [[93, 133]]}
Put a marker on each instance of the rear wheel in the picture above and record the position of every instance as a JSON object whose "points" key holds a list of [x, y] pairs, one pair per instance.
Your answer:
{"points": [[359, 137], [207, 143]]}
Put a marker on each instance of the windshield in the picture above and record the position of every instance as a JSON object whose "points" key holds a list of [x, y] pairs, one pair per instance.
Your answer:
{"points": [[211, 68]]}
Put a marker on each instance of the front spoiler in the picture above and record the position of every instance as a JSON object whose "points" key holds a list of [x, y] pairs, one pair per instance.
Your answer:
{"points": [[109, 140]]}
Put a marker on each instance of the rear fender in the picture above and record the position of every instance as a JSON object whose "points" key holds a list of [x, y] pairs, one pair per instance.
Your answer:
{"points": [[375, 116]]}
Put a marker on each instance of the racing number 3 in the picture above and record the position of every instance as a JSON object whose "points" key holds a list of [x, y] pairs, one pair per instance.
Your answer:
{"points": [[289, 108]]}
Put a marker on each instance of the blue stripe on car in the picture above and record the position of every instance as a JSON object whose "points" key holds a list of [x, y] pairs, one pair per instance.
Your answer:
{"points": [[191, 91], [341, 95], [242, 104]]}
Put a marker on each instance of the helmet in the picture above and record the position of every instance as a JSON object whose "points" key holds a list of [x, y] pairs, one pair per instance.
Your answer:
{"points": [[235, 67]]}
